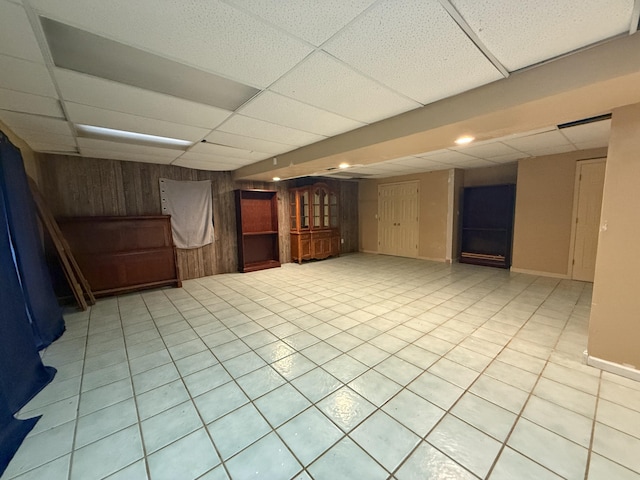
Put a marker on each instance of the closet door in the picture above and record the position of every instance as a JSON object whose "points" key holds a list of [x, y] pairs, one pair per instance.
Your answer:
{"points": [[587, 222], [398, 219]]}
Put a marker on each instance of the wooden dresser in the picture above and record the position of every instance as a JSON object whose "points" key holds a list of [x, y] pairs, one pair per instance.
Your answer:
{"points": [[315, 233], [121, 254]]}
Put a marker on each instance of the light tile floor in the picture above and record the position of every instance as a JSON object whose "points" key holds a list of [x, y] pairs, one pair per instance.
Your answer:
{"points": [[359, 367]]}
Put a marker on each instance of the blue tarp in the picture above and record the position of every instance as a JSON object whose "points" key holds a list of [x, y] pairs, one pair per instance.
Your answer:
{"points": [[44, 313]]}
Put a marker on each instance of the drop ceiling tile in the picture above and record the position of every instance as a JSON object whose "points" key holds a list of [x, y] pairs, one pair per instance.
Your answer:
{"points": [[552, 150], [24, 76], [29, 103], [224, 151], [211, 35], [38, 123], [448, 156], [510, 157], [247, 143], [228, 163], [97, 92], [415, 48], [538, 141], [127, 156], [87, 115], [310, 20], [487, 150], [526, 32], [327, 83], [211, 166], [16, 35], [49, 138], [275, 108], [590, 132], [473, 164], [251, 127], [95, 144]]}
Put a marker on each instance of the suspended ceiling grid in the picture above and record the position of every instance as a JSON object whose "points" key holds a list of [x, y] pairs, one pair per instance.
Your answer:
{"points": [[308, 71]]}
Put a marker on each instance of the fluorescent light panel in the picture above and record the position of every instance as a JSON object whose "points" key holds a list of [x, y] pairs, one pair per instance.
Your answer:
{"points": [[102, 133], [84, 52]]}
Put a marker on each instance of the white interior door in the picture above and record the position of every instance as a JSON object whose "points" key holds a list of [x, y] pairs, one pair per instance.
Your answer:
{"points": [[398, 219], [589, 204]]}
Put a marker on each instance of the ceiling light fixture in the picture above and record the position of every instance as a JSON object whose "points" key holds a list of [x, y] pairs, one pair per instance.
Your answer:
{"points": [[464, 140], [102, 133], [344, 165], [276, 179]]}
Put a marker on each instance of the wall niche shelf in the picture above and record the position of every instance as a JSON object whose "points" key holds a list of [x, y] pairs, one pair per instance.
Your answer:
{"points": [[487, 225], [257, 225]]}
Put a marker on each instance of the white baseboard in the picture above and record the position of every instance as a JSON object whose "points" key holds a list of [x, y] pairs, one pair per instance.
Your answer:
{"points": [[539, 273], [612, 367]]}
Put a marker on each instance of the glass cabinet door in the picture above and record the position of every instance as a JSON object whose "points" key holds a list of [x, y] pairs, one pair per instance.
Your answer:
{"points": [[294, 210], [333, 210], [317, 208], [304, 209]]}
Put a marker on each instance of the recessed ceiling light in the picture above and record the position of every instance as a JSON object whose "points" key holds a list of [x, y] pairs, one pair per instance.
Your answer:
{"points": [[344, 165], [464, 140], [276, 179], [102, 133]]}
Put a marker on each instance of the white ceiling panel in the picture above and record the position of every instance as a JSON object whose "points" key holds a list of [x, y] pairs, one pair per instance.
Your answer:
{"points": [[50, 138], [275, 108], [25, 76], [251, 127], [552, 150], [509, 158], [590, 132], [476, 163], [487, 150], [16, 35], [123, 121], [95, 144], [325, 82], [448, 156], [211, 166], [524, 32], [231, 162], [97, 92], [17, 121], [127, 156], [415, 48], [209, 35], [28, 103], [247, 143], [535, 142], [224, 151], [310, 20]]}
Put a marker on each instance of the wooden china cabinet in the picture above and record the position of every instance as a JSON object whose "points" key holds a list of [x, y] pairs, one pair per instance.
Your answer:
{"points": [[315, 232]]}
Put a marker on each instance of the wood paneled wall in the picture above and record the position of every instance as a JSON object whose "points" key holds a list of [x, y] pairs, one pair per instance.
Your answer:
{"points": [[77, 186]]}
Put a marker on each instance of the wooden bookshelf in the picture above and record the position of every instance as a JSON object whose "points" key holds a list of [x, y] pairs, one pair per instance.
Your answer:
{"points": [[257, 225]]}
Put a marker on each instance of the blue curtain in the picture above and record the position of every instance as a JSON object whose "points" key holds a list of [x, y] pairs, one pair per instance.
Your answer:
{"points": [[44, 313], [22, 374]]}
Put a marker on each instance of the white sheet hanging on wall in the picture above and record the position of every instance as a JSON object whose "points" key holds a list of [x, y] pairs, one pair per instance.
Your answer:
{"points": [[191, 210]]}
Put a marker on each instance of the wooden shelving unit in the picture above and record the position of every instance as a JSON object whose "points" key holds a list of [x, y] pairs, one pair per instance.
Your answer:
{"points": [[257, 224]]}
